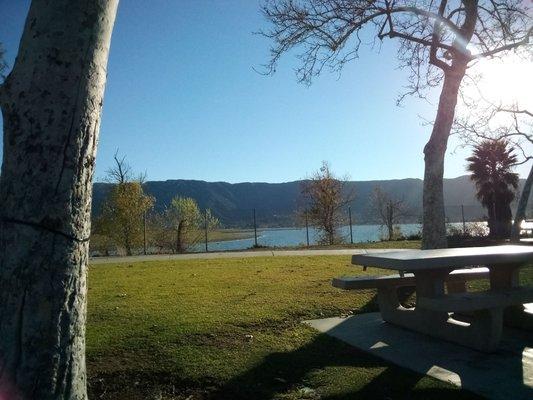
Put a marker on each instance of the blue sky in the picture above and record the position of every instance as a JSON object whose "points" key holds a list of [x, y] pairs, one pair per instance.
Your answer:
{"points": [[183, 101]]}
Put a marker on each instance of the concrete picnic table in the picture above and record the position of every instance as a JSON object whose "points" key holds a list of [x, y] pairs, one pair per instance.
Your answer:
{"points": [[432, 314]]}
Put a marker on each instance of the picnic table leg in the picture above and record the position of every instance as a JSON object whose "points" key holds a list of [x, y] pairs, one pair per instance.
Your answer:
{"points": [[504, 278], [393, 312], [431, 284], [456, 286], [413, 318], [388, 302], [508, 278], [483, 333]]}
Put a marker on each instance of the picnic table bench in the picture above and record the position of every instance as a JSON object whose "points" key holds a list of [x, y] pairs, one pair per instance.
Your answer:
{"points": [[439, 277]]}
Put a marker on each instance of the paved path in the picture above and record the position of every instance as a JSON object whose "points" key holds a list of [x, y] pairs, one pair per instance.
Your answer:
{"points": [[235, 254]]}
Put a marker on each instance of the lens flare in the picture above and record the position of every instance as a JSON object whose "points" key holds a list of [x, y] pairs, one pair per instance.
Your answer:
{"points": [[507, 81]]}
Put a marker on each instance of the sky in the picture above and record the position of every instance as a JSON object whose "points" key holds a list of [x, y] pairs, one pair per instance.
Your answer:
{"points": [[184, 100]]}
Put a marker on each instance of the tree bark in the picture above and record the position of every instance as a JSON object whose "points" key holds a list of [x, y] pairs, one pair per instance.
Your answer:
{"points": [[492, 219], [391, 232], [180, 247], [51, 104], [390, 220], [434, 223], [520, 214], [127, 245]]}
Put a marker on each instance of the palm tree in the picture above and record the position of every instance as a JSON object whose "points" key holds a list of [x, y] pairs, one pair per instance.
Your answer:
{"points": [[491, 165]]}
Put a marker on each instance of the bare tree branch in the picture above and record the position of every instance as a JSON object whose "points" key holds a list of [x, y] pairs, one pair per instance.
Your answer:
{"points": [[507, 47], [432, 34]]}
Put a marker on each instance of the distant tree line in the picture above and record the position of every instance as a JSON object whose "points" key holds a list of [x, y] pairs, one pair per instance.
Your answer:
{"points": [[326, 197], [129, 223], [325, 201]]}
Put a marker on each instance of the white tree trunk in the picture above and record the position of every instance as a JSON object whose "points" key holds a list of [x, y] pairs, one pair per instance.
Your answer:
{"points": [[434, 223], [520, 214], [51, 104]]}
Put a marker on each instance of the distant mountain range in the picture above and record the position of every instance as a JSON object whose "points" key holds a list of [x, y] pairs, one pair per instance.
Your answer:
{"points": [[276, 204]]}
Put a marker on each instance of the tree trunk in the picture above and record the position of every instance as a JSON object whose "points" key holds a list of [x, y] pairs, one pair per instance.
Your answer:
{"points": [[127, 239], [390, 220], [520, 214], [51, 105], [180, 248], [434, 223], [127, 246], [493, 228], [503, 218]]}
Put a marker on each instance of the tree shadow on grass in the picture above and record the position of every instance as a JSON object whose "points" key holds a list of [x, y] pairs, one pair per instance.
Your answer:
{"points": [[289, 372]]}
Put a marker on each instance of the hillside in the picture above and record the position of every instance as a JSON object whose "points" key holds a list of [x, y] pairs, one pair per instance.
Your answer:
{"points": [[276, 203]]}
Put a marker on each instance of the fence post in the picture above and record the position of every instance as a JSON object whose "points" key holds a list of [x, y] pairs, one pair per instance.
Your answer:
{"points": [[307, 228], [255, 230], [463, 217], [206, 228], [350, 217], [144, 233]]}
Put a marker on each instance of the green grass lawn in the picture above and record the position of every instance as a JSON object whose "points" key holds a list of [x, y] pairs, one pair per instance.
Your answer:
{"points": [[231, 329]]}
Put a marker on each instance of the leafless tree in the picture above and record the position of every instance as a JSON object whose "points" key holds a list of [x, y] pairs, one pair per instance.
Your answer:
{"points": [[122, 172], [124, 210], [438, 42], [490, 121], [389, 210], [325, 197], [51, 105]]}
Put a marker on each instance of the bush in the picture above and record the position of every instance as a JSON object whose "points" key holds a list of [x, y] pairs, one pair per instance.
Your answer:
{"points": [[472, 230]]}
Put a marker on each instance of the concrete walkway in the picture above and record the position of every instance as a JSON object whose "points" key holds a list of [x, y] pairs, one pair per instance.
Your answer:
{"points": [[235, 254], [503, 375]]}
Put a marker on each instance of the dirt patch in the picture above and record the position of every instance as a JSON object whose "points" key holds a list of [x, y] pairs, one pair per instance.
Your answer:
{"points": [[133, 385]]}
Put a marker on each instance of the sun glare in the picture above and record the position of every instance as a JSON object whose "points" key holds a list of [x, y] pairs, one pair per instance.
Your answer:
{"points": [[507, 82]]}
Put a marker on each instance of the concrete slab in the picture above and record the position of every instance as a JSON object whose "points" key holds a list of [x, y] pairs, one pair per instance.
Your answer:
{"points": [[505, 374]]}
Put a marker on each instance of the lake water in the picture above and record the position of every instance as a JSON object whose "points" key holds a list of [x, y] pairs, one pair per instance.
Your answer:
{"points": [[282, 237]]}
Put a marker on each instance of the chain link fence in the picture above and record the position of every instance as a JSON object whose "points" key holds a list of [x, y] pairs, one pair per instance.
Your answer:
{"points": [[262, 228]]}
